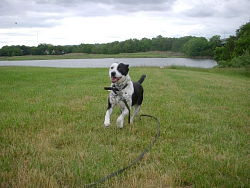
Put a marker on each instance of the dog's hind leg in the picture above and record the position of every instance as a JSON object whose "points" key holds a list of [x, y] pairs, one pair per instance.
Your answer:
{"points": [[136, 111]]}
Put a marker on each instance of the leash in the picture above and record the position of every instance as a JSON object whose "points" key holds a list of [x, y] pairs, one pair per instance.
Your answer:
{"points": [[126, 104], [136, 160], [139, 157]]}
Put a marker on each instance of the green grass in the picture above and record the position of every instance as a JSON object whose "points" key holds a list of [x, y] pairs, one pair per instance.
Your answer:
{"points": [[151, 54], [52, 134]]}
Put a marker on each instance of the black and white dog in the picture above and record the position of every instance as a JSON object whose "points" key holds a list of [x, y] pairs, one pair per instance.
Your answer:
{"points": [[127, 90]]}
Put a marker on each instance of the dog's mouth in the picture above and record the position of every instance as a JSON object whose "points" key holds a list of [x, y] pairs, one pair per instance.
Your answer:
{"points": [[115, 79]]}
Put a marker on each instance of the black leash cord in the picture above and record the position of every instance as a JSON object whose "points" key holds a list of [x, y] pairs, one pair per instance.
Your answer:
{"points": [[136, 160], [126, 104]]}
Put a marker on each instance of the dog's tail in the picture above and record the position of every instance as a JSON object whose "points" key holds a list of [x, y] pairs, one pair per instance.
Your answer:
{"points": [[142, 79]]}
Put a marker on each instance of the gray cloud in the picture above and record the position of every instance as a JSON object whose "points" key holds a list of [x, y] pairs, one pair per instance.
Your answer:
{"points": [[200, 11], [215, 9], [47, 13], [20, 13], [109, 7]]}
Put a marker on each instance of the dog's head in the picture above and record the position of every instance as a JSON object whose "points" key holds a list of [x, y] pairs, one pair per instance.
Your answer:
{"points": [[118, 72]]}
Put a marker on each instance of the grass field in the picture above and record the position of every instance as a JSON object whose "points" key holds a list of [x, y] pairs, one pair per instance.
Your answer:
{"points": [[52, 134], [150, 54]]}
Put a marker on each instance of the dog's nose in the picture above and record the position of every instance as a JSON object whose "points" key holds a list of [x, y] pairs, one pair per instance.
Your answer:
{"points": [[113, 74]]}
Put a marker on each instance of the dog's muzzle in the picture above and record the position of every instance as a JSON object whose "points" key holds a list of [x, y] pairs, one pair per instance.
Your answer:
{"points": [[114, 78]]}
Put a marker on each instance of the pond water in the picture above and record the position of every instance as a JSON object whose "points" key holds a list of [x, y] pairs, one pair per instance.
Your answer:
{"points": [[106, 62]]}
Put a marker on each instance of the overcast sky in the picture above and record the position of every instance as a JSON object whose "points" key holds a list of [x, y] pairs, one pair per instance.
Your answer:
{"points": [[65, 22]]}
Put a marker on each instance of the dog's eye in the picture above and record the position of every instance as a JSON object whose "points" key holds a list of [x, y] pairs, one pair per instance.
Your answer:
{"points": [[111, 67]]}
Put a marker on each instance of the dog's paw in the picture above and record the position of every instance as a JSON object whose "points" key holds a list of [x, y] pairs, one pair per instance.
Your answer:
{"points": [[106, 124], [120, 122]]}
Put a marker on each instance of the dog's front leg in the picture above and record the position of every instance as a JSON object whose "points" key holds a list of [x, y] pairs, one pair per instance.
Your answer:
{"points": [[107, 117], [108, 114], [125, 112], [120, 119]]}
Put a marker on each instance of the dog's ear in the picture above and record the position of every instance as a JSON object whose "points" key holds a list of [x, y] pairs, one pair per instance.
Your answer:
{"points": [[123, 69], [126, 72], [127, 67]]}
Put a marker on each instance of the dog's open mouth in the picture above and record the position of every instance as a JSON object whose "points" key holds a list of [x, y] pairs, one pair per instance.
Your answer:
{"points": [[115, 79]]}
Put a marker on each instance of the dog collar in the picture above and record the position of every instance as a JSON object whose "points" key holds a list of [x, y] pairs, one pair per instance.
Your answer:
{"points": [[115, 89], [118, 88]]}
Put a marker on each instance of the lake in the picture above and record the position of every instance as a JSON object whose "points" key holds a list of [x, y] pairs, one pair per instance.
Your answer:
{"points": [[106, 62]]}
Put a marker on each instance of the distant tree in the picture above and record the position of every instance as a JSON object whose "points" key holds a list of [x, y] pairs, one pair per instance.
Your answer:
{"points": [[178, 43], [59, 50], [44, 49], [168, 43], [68, 48], [226, 52], [97, 49], [157, 43], [221, 53], [145, 44], [197, 46], [242, 44], [11, 51], [233, 46], [130, 46], [214, 42], [5, 51], [235, 52], [113, 48], [25, 50], [34, 51]]}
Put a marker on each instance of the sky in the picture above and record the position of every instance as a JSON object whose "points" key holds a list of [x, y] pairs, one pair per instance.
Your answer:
{"points": [[69, 22]]}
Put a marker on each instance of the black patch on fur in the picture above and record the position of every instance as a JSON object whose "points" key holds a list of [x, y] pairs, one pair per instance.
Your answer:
{"points": [[142, 79], [123, 69], [137, 96], [109, 104]]}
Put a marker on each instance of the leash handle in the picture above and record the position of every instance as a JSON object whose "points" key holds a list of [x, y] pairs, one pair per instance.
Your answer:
{"points": [[111, 88], [114, 89]]}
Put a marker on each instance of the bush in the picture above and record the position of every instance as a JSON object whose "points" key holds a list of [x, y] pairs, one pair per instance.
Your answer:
{"points": [[240, 61]]}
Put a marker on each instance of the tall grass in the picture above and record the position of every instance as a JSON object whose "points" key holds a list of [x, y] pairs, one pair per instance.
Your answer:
{"points": [[52, 134]]}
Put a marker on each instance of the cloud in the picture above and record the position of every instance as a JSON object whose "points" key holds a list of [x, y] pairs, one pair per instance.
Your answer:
{"points": [[217, 9], [76, 21], [48, 13], [25, 14], [200, 11]]}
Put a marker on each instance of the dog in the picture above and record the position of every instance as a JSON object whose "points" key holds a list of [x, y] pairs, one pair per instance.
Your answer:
{"points": [[127, 90]]}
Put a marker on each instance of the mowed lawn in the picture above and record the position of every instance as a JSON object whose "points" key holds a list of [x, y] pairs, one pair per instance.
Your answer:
{"points": [[52, 134]]}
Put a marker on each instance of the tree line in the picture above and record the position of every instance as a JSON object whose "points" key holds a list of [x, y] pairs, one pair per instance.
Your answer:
{"points": [[191, 46], [236, 49], [225, 51]]}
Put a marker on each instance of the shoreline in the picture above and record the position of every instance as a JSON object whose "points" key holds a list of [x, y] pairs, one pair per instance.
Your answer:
{"points": [[150, 54]]}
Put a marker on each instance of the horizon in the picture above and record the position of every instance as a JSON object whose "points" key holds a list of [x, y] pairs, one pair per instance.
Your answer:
{"points": [[115, 41]]}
